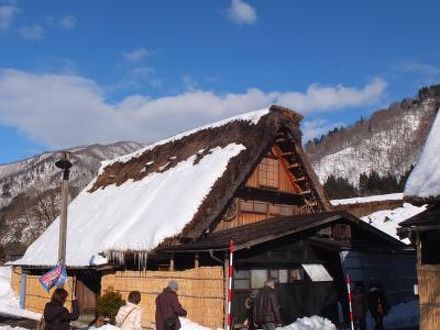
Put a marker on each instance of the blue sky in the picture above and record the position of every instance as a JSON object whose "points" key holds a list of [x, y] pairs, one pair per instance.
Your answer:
{"points": [[80, 72]]}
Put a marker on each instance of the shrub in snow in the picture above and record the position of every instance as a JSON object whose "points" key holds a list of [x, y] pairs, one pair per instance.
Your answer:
{"points": [[109, 303]]}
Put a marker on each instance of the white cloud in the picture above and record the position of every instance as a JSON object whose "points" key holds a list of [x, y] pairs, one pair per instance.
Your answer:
{"points": [[241, 12], [319, 97], [136, 55], [317, 127], [61, 110], [68, 22], [7, 14], [419, 68], [32, 32]]}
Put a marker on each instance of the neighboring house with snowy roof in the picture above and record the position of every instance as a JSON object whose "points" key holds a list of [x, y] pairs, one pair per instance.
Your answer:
{"points": [[169, 210], [423, 187]]}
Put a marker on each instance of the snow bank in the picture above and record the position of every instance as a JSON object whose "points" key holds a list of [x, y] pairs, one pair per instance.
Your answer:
{"points": [[367, 199], [311, 323], [136, 215], [8, 327], [400, 316], [388, 220], [8, 301], [424, 181]]}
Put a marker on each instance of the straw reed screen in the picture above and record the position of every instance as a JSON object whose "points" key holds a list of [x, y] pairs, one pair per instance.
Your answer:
{"points": [[429, 295]]}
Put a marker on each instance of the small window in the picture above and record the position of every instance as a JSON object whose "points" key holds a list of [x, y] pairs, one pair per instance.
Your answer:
{"points": [[259, 276], [274, 209], [286, 210], [296, 274], [283, 276], [260, 207], [242, 279], [268, 173], [273, 274]]}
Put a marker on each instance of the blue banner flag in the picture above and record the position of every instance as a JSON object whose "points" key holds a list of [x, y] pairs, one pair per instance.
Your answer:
{"points": [[54, 277]]}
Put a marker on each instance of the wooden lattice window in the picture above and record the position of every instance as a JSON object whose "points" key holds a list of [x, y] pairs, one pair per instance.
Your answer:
{"points": [[253, 207], [268, 173], [342, 232]]}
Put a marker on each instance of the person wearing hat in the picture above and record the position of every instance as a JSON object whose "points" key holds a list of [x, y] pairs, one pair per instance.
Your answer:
{"points": [[168, 308]]}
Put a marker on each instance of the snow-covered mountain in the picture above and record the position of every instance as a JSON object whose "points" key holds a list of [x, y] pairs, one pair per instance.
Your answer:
{"points": [[30, 189], [390, 141]]}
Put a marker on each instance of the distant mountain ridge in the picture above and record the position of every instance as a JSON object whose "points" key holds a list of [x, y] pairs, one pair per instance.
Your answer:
{"points": [[388, 142], [29, 189]]}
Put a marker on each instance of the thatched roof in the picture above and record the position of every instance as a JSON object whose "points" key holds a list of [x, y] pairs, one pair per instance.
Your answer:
{"points": [[423, 185], [176, 188]]}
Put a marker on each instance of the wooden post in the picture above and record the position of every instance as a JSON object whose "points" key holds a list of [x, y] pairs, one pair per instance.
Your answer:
{"points": [[419, 249], [172, 263], [196, 261], [225, 273]]}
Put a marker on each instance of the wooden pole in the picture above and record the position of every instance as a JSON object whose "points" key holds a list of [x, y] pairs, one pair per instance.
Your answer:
{"points": [[419, 249], [172, 263], [65, 165], [226, 281], [196, 261]]}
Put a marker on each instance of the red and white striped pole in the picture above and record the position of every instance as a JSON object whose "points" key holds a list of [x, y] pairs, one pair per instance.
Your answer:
{"points": [[349, 302], [230, 277]]}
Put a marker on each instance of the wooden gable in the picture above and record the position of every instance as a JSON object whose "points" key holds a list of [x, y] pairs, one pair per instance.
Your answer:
{"points": [[279, 185]]}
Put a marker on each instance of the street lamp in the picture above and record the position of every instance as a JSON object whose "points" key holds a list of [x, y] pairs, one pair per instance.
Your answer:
{"points": [[65, 165]]}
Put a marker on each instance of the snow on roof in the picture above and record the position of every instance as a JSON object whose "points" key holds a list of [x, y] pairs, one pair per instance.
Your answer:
{"points": [[252, 117], [136, 215], [367, 199], [388, 220], [424, 181]]}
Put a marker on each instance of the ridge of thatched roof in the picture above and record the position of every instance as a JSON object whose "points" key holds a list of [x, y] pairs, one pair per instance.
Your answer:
{"points": [[423, 185]]}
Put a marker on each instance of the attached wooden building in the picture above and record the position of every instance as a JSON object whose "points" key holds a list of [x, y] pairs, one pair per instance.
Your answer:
{"points": [[169, 211], [423, 187]]}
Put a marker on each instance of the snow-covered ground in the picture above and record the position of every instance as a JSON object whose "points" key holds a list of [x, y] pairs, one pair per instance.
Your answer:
{"points": [[367, 199], [400, 316], [8, 301], [388, 220]]}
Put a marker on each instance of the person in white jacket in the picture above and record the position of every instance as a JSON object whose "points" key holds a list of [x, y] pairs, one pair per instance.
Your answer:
{"points": [[129, 316]]}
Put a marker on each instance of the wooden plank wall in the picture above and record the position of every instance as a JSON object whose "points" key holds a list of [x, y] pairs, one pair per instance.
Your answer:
{"points": [[429, 296]]}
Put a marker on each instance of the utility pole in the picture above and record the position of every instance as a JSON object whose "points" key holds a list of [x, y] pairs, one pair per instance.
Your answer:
{"points": [[65, 165]]}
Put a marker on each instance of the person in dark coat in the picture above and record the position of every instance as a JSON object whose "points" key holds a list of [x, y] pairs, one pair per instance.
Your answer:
{"points": [[250, 305], [56, 316], [359, 306], [378, 305], [168, 308], [268, 308]]}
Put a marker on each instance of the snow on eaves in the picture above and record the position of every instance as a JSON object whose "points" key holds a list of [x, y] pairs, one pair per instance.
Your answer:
{"points": [[367, 199], [137, 215], [424, 181], [252, 117]]}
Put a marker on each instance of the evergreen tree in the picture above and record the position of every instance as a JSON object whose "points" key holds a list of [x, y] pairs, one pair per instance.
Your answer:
{"points": [[339, 188]]}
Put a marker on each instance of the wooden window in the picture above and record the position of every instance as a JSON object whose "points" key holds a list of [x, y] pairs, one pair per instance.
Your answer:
{"points": [[268, 173], [342, 232], [325, 232], [253, 207], [296, 274], [258, 278], [242, 279], [274, 209], [286, 210]]}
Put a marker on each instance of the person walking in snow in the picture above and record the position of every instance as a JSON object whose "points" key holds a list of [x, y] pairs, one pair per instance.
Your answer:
{"points": [[378, 305], [55, 315], [129, 316], [268, 308], [359, 308], [168, 308]]}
